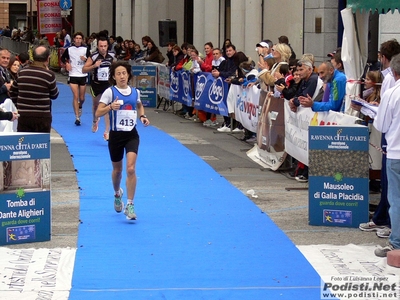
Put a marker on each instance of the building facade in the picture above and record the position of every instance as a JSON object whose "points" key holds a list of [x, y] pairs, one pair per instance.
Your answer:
{"points": [[312, 26]]}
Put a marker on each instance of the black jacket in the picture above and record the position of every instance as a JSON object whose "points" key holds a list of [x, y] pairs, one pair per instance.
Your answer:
{"points": [[5, 77], [177, 59], [227, 68], [6, 115], [306, 88]]}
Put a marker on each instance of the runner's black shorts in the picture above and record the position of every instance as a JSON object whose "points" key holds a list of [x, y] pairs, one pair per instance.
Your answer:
{"points": [[119, 141], [77, 80], [98, 88]]}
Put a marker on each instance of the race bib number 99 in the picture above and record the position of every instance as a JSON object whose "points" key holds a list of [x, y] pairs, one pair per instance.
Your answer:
{"points": [[126, 120]]}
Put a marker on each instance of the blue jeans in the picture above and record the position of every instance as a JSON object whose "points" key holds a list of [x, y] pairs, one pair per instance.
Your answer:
{"points": [[393, 176], [381, 215]]}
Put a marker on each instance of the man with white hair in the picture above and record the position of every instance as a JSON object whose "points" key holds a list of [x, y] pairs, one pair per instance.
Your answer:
{"points": [[5, 77], [308, 83], [308, 88]]}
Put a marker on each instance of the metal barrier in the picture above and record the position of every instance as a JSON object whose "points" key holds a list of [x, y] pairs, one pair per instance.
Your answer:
{"points": [[15, 47]]}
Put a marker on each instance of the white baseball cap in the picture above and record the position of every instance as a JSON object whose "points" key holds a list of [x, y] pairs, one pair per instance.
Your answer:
{"points": [[262, 44]]}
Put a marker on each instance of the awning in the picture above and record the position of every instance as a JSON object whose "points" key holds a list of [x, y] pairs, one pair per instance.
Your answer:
{"points": [[382, 6]]}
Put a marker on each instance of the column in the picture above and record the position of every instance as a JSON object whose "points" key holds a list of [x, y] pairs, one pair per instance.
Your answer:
{"points": [[237, 24], [123, 19], [198, 24], [252, 28], [211, 23]]}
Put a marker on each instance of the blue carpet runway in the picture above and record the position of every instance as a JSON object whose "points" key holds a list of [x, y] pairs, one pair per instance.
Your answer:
{"points": [[196, 237]]}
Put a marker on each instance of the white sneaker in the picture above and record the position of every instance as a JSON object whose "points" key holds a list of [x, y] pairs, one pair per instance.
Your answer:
{"points": [[224, 129], [384, 232], [207, 123], [252, 140], [382, 252], [237, 130], [301, 178], [371, 226]]}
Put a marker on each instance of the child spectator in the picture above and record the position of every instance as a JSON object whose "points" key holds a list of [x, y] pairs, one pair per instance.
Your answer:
{"points": [[280, 75]]}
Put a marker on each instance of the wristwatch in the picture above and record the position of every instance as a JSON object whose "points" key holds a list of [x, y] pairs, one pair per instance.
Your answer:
{"points": [[143, 116]]}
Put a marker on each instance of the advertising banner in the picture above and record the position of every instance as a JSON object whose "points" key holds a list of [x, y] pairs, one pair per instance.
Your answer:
{"points": [[186, 80], [144, 79], [25, 210], [211, 94], [163, 83], [175, 86], [181, 87], [297, 126], [270, 148], [247, 109], [338, 175], [49, 16]]}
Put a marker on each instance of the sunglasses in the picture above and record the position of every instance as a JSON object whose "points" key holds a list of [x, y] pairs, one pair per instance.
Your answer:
{"points": [[306, 64]]}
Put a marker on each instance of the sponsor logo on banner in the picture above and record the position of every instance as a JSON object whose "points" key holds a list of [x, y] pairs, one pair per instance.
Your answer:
{"points": [[200, 85], [216, 91], [50, 4], [49, 16], [174, 82], [186, 82]]}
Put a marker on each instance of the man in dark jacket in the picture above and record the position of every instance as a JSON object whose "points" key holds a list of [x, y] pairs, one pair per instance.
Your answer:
{"points": [[227, 68], [5, 78]]}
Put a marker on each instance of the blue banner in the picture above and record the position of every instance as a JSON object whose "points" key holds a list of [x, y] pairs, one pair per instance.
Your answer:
{"points": [[187, 86], [24, 146], [210, 94], [175, 89], [25, 211], [144, 79], [338, 175], [181, 87]]}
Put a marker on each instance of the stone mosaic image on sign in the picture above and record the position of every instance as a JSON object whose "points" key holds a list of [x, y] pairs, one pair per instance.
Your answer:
{"points": [[350, 164]]}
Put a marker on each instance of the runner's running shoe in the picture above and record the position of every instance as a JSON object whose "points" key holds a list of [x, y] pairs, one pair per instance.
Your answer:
{"points": [[95, 126], [130, 212], [118, 203]]}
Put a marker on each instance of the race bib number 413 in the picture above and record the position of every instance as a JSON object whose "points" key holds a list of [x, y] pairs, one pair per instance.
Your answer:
{"points": [[126, 120]]}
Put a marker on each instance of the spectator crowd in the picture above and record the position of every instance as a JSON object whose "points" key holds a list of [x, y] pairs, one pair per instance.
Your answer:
{"points": [[273, 68]]}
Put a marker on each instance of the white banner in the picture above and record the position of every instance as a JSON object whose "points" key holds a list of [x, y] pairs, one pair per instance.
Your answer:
{"points": [[30, 274], [49, 16], [163, 81], [246, 108], [347, 260], [345, 269], [296, 128]]}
